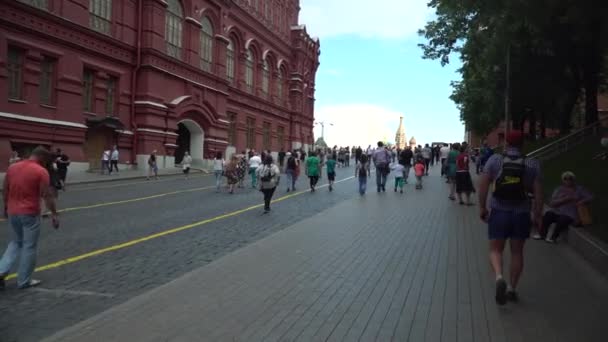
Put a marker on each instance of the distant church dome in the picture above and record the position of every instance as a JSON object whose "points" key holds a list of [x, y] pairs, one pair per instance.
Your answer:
{"points": [[413, 141]]}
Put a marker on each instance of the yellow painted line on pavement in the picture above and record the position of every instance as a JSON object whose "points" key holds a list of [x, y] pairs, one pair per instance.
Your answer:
{"points": [[105, 204], [170, 231]]}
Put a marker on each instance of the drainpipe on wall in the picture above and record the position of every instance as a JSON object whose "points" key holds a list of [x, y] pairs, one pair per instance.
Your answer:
{"points": [[134, 80]]}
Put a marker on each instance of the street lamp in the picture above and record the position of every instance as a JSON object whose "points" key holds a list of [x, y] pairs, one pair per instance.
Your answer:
{"points": [[322, 123]]}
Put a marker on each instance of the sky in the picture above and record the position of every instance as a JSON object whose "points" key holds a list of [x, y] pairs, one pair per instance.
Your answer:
{"points": [[372, 72]]}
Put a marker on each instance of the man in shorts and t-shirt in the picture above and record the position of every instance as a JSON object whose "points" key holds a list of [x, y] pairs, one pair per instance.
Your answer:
{"points": [[24, 184], [509, 217]]}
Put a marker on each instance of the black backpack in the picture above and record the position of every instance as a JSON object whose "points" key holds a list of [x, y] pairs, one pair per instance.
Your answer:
{"points": [[291, 163], [363, 170], [510, 184]]}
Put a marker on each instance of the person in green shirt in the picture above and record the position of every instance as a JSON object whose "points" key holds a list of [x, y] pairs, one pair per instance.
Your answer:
{"points": [[313, 169], [331, 171], [451, 169]]}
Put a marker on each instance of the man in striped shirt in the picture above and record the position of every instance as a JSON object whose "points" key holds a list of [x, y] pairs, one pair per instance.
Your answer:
{"points": [[510, 210]]}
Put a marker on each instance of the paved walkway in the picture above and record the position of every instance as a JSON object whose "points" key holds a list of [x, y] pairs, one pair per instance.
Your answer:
{"points": [[378, 268]]}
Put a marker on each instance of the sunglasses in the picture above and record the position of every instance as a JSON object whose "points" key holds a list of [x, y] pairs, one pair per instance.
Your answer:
{"points": [[568, 178]]}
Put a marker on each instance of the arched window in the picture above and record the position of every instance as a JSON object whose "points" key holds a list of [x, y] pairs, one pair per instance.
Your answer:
{"points": [[206, 44], [230, 61], [280, 80], [173, 28], [249, 63], [265, 77], [101, 15]]}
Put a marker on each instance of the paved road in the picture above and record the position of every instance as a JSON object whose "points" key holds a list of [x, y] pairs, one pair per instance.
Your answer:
{"points": [[106, 215], [324, 266], [383, 267]]}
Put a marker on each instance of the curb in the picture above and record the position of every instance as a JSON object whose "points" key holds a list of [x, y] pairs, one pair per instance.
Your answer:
{"points": [[590, 248], [109, 179]]}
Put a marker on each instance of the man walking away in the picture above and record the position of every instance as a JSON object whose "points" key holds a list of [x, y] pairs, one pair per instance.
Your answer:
{"points": [[382, 159], [291, 171], [281, 158], [331, 171], [444, 151], [361, 172], [427, 154], [114, 159], [405, 159], [509, 218], [25, 183], [313, 170], [62, 162]]}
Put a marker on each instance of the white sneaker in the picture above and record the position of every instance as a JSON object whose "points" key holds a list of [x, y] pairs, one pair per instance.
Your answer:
{"points": [[537, 236], [549, 240]]}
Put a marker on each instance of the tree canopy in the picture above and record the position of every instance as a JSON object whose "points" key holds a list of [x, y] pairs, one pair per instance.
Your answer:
{"points": [[555, 49]]}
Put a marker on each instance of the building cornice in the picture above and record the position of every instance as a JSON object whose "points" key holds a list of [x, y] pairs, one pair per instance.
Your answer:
{"points": [[20, 117], [52, 27]]}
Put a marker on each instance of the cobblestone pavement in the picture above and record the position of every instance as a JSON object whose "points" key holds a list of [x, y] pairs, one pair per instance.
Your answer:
{"points": [[324, 266], [99, 217]]}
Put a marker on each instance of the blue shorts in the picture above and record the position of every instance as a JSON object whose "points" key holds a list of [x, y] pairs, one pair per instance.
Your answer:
{"points": [[504, 225]]}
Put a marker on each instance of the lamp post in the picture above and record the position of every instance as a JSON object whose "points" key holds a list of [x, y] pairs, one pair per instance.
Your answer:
{"points": [[322, 123]]}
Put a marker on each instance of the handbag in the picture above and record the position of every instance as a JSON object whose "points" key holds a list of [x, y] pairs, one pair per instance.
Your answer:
{"points": [[584, 215]]}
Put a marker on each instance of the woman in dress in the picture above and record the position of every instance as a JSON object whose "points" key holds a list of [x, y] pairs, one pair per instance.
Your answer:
{"points": [[231, 173], [269, 175], [464, 184], [451, 169], [242, 169]]}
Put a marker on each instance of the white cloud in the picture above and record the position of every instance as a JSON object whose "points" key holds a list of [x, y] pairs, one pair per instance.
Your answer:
{"points": [[364, 18], [356, 124]]}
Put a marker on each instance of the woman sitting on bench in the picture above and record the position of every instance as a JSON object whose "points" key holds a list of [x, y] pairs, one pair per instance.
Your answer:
{"points": [[564, 207]]}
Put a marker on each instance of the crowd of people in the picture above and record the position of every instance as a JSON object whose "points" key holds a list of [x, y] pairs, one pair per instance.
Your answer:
{"points": [[513, 209]]}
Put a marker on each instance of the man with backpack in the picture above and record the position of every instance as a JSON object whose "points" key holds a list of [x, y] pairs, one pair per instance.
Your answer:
{"points": [[382, 159], [510, 217]]}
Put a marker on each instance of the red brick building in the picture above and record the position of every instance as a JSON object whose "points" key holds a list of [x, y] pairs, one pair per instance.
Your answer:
{"points": [[166, 75]]}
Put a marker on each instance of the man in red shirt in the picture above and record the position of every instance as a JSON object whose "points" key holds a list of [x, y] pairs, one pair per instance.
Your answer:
{"points": [[25, 183]]}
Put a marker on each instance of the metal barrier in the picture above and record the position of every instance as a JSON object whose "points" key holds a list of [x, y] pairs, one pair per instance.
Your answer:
{"points": [[567, 143]]}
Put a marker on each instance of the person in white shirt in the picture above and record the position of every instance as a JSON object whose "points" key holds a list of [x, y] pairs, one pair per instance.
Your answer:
{"points": [[114, 159], [399, 171], [269, 175], [427, 154], [254, 164], [218, 170], [443, 154], [105, 161], [186, 163]]}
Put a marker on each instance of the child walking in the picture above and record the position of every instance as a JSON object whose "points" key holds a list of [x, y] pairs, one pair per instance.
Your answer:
{"points": [[419, 169], [399, 171], [361, 172]]}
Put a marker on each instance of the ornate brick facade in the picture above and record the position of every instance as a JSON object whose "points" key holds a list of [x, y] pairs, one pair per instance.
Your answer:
{"points": [[237, 74]]}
